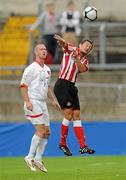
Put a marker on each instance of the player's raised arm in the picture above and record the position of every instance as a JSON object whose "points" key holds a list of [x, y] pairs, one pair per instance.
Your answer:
{"points": [[80, 66], [61, 41]]}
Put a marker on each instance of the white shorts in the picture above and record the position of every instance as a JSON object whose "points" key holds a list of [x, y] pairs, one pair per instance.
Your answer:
{"points": [[39, 115]]}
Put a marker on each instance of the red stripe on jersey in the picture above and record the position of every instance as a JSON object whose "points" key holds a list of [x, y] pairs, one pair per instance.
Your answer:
{"points": [[86, 63], [66, 72], [72, 72], [64, 65], [67, 51]]}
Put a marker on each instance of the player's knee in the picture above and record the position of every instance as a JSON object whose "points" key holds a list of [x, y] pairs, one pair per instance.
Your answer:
{"points": [[44, 133], [41, 134], [76, 115], [38, 133], [68, 115], [47, 133]]}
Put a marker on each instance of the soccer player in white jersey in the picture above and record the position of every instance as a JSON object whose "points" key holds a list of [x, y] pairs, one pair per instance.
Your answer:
{"points": [[35, 87], [74, 62]]}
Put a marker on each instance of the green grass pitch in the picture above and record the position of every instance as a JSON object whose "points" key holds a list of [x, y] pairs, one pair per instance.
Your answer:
{"points": [[67, 168]]}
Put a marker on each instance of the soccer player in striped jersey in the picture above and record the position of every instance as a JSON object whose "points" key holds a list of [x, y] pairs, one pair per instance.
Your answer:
{"points": [[74, 62]]}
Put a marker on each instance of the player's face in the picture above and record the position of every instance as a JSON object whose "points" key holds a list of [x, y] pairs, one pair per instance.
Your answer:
{"points": [[42, 52], [71, 7], [51, 9], [86, 47]]}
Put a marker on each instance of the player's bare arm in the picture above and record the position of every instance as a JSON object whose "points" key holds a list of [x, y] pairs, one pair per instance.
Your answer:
{"points": [[53, 99], [24, 92], [81, 67], [61, 41]]}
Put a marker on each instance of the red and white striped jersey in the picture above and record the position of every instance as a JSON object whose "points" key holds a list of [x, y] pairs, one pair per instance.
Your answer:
{"points": [[68, 68]]}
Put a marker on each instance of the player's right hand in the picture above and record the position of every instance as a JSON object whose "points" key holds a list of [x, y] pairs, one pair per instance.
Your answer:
{"points": [[75, 53], [29, 106]]}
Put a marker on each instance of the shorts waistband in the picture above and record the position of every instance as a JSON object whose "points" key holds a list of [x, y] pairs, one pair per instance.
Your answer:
{"points": [[66, 81]]}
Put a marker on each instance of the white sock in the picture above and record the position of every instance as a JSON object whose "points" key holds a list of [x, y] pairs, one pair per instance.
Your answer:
{"points": [[34, 144], [40, 150], [65, 122]]}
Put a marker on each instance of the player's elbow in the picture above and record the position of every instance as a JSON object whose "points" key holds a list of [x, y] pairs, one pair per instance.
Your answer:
{"points": [[23, 85], [83, 69]]}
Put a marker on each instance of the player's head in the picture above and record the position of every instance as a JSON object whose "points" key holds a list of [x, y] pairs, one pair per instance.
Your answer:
{"points": [[71, 6], [41, 51], [86, 46], [50, 7]]}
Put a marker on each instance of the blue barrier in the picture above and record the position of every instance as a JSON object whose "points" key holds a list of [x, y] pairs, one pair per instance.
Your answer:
{"points": [[107, 138]]}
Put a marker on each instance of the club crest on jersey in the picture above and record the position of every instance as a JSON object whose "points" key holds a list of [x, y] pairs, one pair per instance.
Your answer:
{"points": [[72, 59]]}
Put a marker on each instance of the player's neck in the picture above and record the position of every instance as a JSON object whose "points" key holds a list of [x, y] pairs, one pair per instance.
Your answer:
{"points": [[40, 61], [82, 54]]}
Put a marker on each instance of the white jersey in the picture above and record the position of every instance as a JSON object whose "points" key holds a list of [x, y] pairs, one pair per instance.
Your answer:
{"points": [[37, 79]]}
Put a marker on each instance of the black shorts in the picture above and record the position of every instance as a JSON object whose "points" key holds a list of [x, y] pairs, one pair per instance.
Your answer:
{"points": [[67, 94]]}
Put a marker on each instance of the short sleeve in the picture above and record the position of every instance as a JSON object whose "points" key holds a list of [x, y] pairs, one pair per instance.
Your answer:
{"points": [[26, 78], [85, 62]]}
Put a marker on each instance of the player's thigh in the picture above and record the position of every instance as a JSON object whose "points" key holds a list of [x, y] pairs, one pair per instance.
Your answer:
{"points": [[61, 91], [39, 115], [47, 129], [35, 112], [45, 118], [75, 98]]}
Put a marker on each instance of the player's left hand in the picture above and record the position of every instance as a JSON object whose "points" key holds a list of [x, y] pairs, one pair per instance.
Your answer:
{"points": [[59, 39]]}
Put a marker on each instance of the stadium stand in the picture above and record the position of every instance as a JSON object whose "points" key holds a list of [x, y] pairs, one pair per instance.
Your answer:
{"points": [[102, 93], [102, 97], [14, 46]]}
